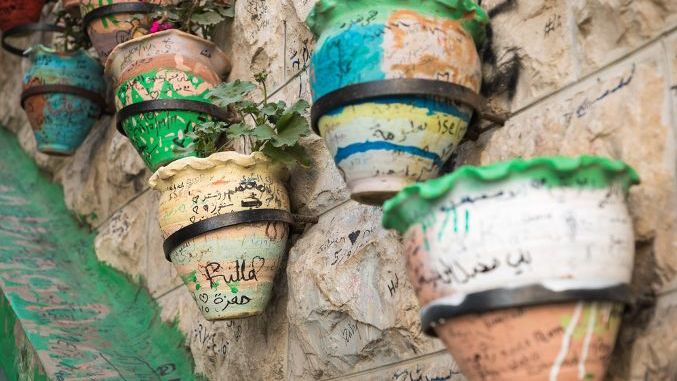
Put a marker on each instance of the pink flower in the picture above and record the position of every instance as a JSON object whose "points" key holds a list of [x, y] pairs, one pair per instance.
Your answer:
{"points": [[159, 27]]}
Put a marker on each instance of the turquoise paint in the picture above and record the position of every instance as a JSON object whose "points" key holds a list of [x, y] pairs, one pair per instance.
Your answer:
{"points": [[61, 121], [351, 57], [92, 322]]}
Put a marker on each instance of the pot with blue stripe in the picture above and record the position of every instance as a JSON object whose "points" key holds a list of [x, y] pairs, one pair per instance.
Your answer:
{"points": [[385, 142]]}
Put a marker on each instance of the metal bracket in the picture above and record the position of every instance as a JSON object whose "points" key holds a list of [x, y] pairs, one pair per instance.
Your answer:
{"points": [[425, 88], [169, 104], [114, 9], [517, 297], [24, 30], [65, 89], [222, 221]]}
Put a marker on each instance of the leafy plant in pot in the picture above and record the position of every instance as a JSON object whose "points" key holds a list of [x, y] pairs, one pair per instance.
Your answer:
{"points": [[225, 215], [524, 262], [161, 81], [63, 90], [395, 84]]}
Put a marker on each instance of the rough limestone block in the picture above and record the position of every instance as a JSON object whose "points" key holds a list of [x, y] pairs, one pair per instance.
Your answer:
{"points": [[608, 29], [104, 174], [320, 187], [253, 348], [160, 275], [130, 240], [351, 306], [438, 366], [536, 36], [651, 356], [121, 241]]}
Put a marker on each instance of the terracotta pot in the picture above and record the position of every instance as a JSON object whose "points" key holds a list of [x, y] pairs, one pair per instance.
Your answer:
{"points": [[19, 12], [165, 65], [229, 271], [61, 121], [109, 31], [524, 233], [384, 143]]}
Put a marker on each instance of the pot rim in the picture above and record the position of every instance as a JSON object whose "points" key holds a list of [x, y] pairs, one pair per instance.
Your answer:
{"points": [[70, 53], [217, 50], [322, 12], [420, 196], [165, 174]]}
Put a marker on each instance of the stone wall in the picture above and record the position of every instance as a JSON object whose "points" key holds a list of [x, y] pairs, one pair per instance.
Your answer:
{"points": [[580, 76]]}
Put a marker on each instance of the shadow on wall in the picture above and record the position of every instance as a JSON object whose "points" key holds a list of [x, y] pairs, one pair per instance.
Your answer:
{"points": [[501, 74]]}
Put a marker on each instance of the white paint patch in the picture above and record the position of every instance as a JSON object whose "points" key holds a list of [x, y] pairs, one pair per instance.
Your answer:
{"points": [[518, 233], [586, 342], [566, 342]]}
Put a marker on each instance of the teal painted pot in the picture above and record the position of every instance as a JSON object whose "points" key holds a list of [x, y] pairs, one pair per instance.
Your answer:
{"points": [[387, 142], [62, 120], [169, 65]]}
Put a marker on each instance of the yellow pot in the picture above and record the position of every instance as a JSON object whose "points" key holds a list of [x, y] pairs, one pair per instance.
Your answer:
{"points": [[229, 271]]}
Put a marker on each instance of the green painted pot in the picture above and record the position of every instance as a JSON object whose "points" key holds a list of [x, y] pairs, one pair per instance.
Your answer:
{"points": [[169, 65]]}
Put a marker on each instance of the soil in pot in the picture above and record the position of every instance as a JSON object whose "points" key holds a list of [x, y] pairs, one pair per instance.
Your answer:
{"points": [[111, 30], [61, 120], [385, 143], [228, 271], [524, 233], [18, 12], [167, 65]]}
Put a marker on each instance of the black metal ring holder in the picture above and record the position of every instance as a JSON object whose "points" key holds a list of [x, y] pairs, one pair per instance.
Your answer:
{"points": [[64, 89], [425, 88], [114, 9], [169, 104], [517, 297], [23, 31], [224, 220]]}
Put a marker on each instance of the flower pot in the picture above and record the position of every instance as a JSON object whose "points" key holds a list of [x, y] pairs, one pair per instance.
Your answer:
{"points": [[521, 267], [381, 135], [62, 97], [165, 66], [114, 21], [225, 220], [18, 12]]}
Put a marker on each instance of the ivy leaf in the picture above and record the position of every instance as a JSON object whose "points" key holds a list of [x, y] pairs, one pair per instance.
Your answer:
{"points": [[288, 133], [248, 107], [228, 93], [237, 130], [301, 106], [287, 155], [272, 109], [207, 18], [228, 12], [263, 132]]}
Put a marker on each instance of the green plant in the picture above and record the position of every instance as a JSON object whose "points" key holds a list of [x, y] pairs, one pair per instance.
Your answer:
{"points": [[275, 129], [198, 17], [73, 37]]}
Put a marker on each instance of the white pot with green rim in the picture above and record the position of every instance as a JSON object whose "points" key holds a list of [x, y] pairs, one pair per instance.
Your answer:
{"points": [[225, 220], [529, 258]]}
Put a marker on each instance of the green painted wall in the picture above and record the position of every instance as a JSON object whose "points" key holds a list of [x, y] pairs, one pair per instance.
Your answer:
{"points": [[81, 317]]}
